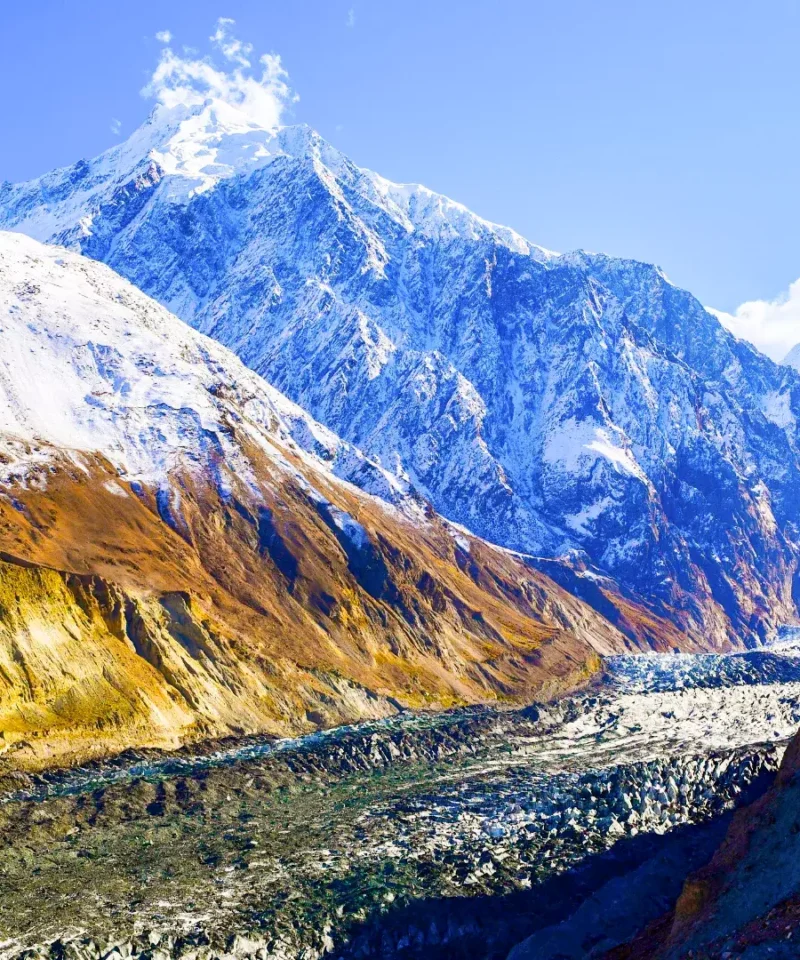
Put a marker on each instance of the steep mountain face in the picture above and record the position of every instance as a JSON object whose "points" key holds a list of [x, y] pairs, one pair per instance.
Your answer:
{"points": [[183, 553], [558, 405]]}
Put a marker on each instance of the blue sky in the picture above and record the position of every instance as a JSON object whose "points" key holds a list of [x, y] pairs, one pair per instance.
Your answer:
{"points": [[666, 132]]}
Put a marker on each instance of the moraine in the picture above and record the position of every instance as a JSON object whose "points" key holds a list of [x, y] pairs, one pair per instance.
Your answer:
{"points": [[403, 836]]}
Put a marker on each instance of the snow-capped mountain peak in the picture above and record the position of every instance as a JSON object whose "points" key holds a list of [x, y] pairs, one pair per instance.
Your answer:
{"points": [[573, 404], [188, 150], [192, 148], [204, 144]]}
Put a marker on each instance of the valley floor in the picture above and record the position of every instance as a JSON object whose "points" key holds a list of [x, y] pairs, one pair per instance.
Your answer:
{"points": [[446, 835]]}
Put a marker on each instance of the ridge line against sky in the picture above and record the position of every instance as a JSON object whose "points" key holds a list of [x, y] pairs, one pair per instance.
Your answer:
{"points": [[526, 115]]}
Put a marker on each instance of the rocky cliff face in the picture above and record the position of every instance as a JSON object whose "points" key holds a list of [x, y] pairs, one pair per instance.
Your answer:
{"points": [[184, 554], [558, 405]]}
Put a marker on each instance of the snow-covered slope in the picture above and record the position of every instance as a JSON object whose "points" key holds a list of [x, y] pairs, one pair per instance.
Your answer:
{"points": [[91, 364], [574, 404], [792, 358]]}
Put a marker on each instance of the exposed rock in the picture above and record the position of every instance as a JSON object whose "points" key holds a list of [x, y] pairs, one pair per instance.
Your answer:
{"points": [[745, 902]]}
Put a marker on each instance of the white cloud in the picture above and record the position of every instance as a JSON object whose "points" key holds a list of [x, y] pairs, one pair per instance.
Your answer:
{"points": [[771, 325], [261, 92], [116, 126], [231, 48], [164, 36], [351, 17]]}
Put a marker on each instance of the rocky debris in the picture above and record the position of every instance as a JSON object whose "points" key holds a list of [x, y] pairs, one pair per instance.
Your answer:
{"points": [[744, 902], [480, 835], [406, 737], [436, 835]]}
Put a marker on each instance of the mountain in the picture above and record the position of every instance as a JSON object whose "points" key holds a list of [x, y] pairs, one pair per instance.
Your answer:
{"points": [[184, 553], [792, 358], [573, 406]]}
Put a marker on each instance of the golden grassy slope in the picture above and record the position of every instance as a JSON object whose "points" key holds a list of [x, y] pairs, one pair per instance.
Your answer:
{"points": [[246, 614]]}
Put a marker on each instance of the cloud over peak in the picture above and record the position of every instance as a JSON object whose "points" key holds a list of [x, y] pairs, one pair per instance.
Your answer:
{"points": [[232, 49], [261, 92]]}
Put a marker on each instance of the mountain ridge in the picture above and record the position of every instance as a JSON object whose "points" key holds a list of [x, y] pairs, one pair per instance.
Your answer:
{"points": [[185, 554], [554, 404]]}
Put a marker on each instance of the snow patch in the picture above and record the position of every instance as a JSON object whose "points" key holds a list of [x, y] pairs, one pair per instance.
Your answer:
{"points": [[579, 443], [777, 408], [578, 521]]}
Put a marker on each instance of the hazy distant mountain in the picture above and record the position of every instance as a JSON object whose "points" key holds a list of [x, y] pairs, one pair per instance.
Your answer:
{"points": [[792, 358]]}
